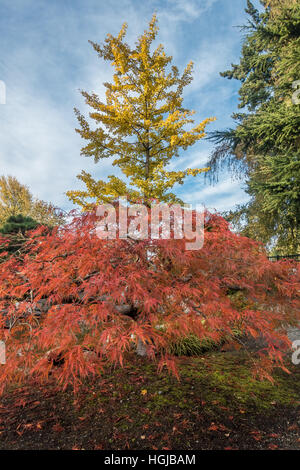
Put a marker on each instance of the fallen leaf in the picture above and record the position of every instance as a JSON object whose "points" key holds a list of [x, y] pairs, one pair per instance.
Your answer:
{"points": [[57, 427], [273, 446], [213, 427]]}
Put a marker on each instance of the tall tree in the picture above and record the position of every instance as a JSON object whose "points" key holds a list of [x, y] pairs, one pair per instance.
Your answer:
{"points": [[264, 145], [141, 125]]}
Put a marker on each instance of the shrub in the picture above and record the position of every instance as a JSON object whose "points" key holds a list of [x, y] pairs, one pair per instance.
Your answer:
{"points": [[191, 345]]}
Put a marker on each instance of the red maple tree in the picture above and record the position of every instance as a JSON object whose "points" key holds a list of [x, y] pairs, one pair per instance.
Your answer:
{"points": [[104, 297]]}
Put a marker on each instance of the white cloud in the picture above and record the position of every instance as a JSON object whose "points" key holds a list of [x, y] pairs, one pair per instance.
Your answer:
{"points": [[45, 59], [222, 196], [181, 10]]}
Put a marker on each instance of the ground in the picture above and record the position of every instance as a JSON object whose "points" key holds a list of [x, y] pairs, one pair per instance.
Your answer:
{"points": [[215, 405]]}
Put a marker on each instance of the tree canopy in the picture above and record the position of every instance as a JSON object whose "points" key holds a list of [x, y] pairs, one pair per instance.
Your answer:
{"points": [[105, 297], [142, 125], [16, 199]]}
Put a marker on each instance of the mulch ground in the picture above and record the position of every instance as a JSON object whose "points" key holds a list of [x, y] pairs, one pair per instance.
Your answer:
{"points": [[215, 405]]}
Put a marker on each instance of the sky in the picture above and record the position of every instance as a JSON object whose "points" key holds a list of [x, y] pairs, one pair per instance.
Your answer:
{"points": [[45, 60]]}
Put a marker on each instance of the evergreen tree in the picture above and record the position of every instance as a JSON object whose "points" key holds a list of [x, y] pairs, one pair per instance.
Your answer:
{"points": [[264, 145]]}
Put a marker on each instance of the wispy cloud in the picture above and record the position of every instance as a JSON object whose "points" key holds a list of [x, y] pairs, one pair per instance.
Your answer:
{"points": [[45, 59], [228, 192]]}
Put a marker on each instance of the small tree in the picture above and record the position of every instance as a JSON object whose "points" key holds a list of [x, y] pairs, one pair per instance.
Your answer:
{"points": [[141, 125], [18, 224], [105, 297]]}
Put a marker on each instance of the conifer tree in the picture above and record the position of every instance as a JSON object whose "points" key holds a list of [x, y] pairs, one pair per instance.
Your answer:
{"points": [[264, 145]]}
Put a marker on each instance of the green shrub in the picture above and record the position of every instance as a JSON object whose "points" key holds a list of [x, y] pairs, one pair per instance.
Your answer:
{"points": [[191, 345], [18, 224], [14, 231]]}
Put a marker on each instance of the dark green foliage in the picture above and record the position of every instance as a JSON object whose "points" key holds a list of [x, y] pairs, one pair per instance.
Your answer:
{"points": [[18, 224], [264, 145], [14, 230]]}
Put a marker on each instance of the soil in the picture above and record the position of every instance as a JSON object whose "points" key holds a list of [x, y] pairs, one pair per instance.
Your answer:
{"points": [[215, 405]]}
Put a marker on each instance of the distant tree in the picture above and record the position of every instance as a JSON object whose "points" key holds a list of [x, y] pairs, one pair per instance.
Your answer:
{"points": [[16, 199], [46, 213]]}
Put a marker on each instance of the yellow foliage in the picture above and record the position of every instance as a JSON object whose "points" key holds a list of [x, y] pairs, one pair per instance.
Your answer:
{"points": [[16, 198], [142, 124]]}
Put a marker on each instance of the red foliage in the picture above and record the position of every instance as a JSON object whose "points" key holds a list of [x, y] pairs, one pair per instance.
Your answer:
{"points": [[106, 295]]}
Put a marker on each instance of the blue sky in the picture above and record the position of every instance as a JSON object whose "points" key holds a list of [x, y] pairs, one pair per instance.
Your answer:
{"points": [[45, 58]]}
